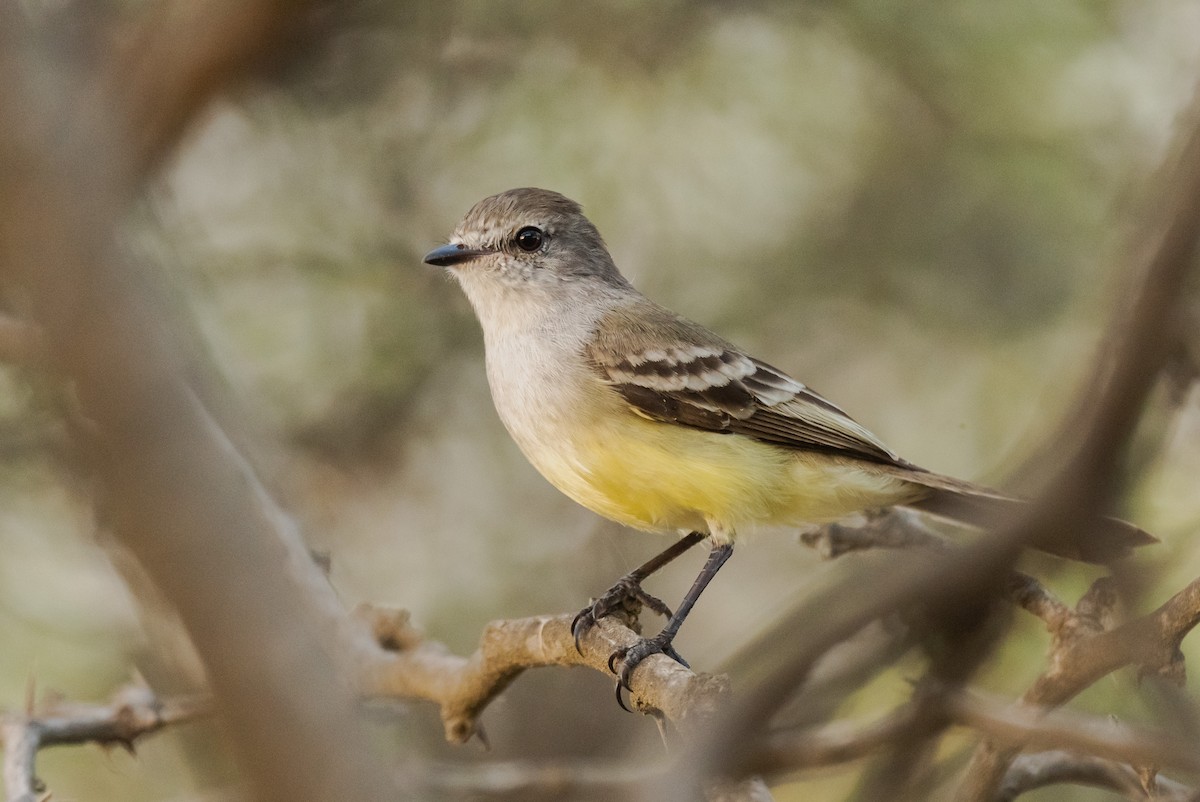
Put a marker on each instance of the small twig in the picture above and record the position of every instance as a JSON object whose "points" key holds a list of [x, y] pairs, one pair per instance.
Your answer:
{"points": [[1036, 599], [1088, 735], [133, 712], [894, 528], [900, 528], [1033, 771]]}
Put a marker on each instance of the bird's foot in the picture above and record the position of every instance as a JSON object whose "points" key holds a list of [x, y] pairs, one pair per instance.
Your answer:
{"points": [[626, 596], [629, 657]]}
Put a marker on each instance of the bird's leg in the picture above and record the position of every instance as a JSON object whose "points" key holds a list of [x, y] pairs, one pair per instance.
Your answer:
{"points": [[629, 657], [629, 588]]}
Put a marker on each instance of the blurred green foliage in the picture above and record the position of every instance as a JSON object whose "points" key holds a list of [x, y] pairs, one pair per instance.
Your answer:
{"points": [[922, 209]]}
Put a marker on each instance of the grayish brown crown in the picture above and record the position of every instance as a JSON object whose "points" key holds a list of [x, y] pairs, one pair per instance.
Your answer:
{"points": [[501, 211]]}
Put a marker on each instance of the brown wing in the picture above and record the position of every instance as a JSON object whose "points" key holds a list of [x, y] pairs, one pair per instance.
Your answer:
{"points": [[691, 377]]}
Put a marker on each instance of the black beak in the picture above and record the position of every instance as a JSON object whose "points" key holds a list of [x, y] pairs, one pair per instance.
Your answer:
{"points": [[448, 255]]}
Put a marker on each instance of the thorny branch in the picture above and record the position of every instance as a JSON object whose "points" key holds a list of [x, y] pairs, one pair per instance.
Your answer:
{"points": [[133, 712]]}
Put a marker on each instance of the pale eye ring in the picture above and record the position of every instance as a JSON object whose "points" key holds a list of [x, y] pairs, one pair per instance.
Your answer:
{"points": [[530, 239]]}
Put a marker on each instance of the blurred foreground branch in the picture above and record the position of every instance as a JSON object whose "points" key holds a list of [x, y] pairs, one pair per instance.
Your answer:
{"points": [[179, 496]]}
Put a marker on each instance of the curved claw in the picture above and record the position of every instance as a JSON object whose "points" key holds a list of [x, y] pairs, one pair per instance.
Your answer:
{"points": [[580, 624], [621, 697], [619, 654], [653, 602]]}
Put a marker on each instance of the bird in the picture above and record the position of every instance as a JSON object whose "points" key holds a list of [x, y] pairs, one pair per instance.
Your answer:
{"points": [[657, 423]]}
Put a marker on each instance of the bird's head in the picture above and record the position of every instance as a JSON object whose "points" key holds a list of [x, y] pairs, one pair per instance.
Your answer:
{"points": [[524, 240]]}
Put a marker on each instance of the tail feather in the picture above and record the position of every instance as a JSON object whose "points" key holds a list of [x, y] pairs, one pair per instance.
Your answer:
{"points": [[1107, 539]]}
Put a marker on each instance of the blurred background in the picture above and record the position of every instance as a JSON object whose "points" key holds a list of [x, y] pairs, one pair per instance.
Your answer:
{"points": [[923, 210]]}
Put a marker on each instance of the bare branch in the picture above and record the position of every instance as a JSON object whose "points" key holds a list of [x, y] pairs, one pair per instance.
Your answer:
{"points": [[1033, 771], [899, 528], [1150, 642], [1141, 347], [1088, 735], [894, 528], [171, 60], [463, 686], [1092, 741], [133, 713], [1084, 655]]}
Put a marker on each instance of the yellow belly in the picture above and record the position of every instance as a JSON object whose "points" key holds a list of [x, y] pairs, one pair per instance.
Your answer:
{"points": [[663, 477]]}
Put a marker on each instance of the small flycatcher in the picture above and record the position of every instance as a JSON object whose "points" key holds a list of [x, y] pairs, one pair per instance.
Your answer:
{"points": [[655, 422]]}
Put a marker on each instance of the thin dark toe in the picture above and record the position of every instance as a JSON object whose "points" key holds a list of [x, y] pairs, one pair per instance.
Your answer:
{"points": [[651, 602]]}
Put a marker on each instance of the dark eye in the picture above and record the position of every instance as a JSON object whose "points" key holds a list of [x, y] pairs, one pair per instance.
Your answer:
{"points": [[530, 239]]}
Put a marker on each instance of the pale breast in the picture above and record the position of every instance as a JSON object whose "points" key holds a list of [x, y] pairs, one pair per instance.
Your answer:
{"points": [[546, 396]]}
